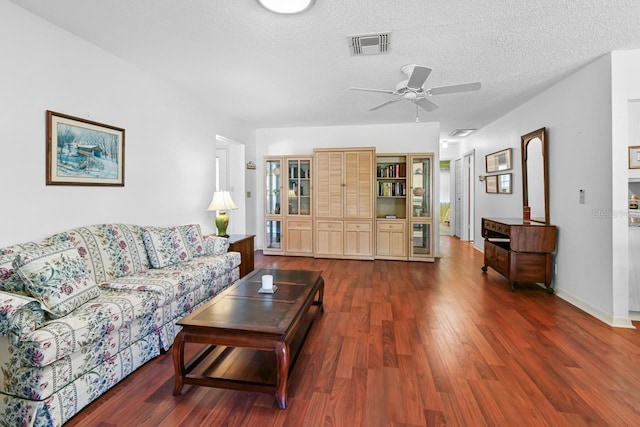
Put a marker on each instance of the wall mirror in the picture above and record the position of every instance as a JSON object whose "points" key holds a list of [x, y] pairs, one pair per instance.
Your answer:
{"points": [[535, 185]]}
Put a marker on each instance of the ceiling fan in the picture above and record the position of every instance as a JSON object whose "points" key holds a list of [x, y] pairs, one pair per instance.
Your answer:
{"points": [[412, 90]]}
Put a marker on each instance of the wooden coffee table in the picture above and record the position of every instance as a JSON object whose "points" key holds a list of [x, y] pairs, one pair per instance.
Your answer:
{"points": [[241, 318]]}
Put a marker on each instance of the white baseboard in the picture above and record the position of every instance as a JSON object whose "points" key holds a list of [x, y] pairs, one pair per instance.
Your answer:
{"points": [[616, 322], [634, 315]]}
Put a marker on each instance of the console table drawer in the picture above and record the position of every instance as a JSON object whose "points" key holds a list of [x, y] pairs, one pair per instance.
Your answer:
{"points": [[496, 226]]}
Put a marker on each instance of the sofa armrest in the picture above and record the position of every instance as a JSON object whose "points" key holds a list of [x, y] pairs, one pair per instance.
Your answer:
{"points": [[19, 314], [215, 245]]}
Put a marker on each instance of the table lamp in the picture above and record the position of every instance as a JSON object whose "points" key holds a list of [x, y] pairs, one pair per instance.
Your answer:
{"points": [[222, 202]]}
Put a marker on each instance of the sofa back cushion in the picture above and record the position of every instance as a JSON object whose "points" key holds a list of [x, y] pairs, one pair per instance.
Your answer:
{"points": [[56, 276], [192, 237], [215, 245], [165, 246], [9, 279], [108, 250]]}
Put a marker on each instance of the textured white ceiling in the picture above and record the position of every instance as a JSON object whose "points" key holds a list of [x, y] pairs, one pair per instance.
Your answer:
{"points": [[272, 70]]}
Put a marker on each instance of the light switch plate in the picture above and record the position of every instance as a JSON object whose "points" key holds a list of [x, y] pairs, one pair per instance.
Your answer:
{"points": [[582, 196]]}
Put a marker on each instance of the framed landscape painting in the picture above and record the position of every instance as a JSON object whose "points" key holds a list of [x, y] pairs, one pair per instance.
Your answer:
{"points": [[82, 152]]}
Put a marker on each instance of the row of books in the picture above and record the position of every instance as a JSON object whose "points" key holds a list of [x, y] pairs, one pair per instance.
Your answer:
{"points": [[392, 189], [398, 170]]}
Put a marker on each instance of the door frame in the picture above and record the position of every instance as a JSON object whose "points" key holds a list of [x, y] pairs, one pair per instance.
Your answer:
{"points": [[468, 191]]}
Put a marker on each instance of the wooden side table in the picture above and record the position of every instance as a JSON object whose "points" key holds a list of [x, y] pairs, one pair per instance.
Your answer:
{"points": [[243, 243]]}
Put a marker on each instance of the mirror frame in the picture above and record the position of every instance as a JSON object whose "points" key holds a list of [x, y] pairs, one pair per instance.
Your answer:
{"points": [[525, 139]]}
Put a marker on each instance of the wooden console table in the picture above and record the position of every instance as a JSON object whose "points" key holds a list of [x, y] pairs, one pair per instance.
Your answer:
{"points": [[243, 243], [519, 250]]}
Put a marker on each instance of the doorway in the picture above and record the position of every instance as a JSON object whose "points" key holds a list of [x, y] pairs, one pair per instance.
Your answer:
{"points": [[457, 222], [230, 176], [464, 196], [445, 197]]}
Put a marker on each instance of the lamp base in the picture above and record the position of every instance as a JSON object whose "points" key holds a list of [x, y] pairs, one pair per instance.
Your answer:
{"points": [[222, 221]]}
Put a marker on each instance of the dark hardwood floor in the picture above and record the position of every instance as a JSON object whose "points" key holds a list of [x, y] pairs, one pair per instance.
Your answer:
{"points": [[416, 344]]}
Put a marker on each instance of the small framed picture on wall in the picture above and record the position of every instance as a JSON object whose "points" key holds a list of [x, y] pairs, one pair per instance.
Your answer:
{"points": [[499, 161], [491, 183], [634, 157]]}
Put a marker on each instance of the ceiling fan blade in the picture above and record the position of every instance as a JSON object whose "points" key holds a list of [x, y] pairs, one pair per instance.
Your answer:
{"points": [[426, 104], [465, 87], [372, 90], [384, 104], [418, 77]]}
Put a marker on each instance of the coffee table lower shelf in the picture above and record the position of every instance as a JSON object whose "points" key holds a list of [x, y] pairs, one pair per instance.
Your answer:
{"points": [[244, 359], [241, 368]]}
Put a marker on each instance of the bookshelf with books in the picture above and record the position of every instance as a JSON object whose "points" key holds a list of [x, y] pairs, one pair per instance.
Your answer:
{"points": [[403, 207], [391, 206], [391, 186]]}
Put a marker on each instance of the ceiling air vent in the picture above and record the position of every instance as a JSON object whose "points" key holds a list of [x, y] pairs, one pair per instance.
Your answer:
{"points": [[369, 44], [462, 132]]}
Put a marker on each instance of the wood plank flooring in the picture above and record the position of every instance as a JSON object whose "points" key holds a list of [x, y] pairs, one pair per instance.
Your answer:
{"points": [[413, 344]]}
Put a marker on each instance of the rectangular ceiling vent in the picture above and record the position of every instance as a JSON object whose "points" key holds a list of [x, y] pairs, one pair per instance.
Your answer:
{"points": [[462, 132], [369, 44]]}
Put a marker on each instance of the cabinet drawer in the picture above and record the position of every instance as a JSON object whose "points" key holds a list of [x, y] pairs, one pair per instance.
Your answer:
{"points": [[357, 226], [390, 226], [304, 224], [329, 225]]}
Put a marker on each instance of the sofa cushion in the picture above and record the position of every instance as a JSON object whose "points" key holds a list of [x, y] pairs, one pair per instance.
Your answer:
{"points": [[38, 383], [165, 246], [16, 249], [192, 237], [165, 284], [109, 250], [10, 281], [56, 276], [19, 314], [215, 245], [90, 323]]}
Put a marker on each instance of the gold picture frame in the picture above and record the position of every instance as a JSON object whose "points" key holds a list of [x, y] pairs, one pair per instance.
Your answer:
{"points": [[634, 157], [491, 184], [499, 161], [83, 152]]}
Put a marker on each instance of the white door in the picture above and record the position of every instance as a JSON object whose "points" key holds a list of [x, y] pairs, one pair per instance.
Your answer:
{"points": [[222, 160], [457, 217], [467, 203]]}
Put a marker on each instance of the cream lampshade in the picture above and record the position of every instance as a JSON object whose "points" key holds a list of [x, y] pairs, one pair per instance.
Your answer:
{"points": [[222, 202]]}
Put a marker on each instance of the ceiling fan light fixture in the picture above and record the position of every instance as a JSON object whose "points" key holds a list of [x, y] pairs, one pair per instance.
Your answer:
{"points": [[286, 7]]}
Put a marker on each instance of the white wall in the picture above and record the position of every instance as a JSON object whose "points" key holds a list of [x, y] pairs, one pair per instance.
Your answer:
{"points": [[634, 131], [625, 87], [169, 145], [583, 153], [387, 138]]}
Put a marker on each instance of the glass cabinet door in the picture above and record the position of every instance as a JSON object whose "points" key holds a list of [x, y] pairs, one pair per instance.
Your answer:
{"points": [[273, 187], [273, 235], [299, 187], [421, 187], [420, 239]]}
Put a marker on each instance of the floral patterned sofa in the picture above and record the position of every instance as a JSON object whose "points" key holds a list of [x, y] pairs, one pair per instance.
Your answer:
{"points": [[82, 309]]}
